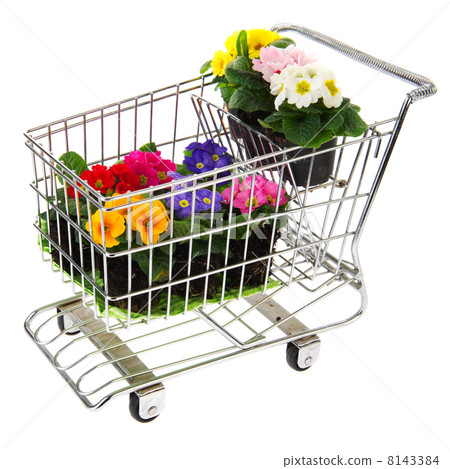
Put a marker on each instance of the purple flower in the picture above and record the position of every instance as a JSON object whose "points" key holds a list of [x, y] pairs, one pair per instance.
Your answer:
{"points": [[207, 156], [204, 200], [182, 204], [199, 162]]}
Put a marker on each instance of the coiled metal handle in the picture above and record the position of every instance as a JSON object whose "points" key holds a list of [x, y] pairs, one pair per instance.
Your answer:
{"points": [[425, 88]]}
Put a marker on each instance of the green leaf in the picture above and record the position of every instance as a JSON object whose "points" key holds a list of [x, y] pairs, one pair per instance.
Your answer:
{"points": [[205, 67], [282, 43], [181, 228], [301, 131], [354, 126], [249, 79], [74, 162], [320, 138], [276, 125], [182, 168], [148, 148], [240, 63], [332, 121], [227, 92], [241, 44], [287, 109], [251, 100]]}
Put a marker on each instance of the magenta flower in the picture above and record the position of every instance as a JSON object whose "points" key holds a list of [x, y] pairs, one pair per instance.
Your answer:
{"points": [[244, 204], [150, 167], [260, 182], [226, 193], [270, 191], [274, 60]]}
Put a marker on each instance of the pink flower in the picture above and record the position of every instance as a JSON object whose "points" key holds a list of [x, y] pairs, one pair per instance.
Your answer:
{"points": [[162, 167], [274, 60], [243, 202], [150, 167], [270, 191], [226, 193], [260, 181]]}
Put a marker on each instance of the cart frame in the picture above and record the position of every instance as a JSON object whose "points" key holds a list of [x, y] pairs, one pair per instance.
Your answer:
{"points": [[112, 337]]}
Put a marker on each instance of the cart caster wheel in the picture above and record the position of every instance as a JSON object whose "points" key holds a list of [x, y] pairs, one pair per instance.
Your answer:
{"points": [[301, 357], [62, 326], [134, 409]]}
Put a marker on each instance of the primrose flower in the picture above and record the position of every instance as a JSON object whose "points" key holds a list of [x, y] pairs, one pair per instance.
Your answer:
{"points": [[114, 225], [226, 193], [274, 60], [204, 200], [150, 220], [244, 204], [297, 86], [182, 204], [141, 164], [124, 201], [207, 156], [219, 62], [230, 44], [258, 38], [331, 93], [99, 178], [270, 191], [260, 182]]}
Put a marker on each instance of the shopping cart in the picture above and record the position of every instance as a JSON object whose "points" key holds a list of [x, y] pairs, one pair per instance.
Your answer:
{"points": [[104, 342]]}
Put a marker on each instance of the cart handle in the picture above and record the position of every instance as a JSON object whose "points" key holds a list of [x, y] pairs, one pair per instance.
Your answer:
{"points": [[425, 88]]}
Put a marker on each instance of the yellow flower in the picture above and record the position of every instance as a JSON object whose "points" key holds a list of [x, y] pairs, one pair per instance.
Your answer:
{"points": [[124, 201], [220, 60], [142, 216], [114, 225], [257, 38], [230, 44]]}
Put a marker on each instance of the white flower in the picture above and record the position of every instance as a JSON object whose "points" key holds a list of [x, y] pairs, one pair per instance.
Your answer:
{"points": [[278, 87], [296, 85], [331, 93]]}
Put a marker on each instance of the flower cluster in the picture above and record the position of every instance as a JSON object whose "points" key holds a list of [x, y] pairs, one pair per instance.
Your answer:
{"points": [[148, 218], [274, 60], [303, 86], [256, 38], [282, 88], [252, 192], [204, 200], [137, 171], [207, 156]]}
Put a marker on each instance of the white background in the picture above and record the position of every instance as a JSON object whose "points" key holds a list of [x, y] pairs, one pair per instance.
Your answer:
{"points": [[381, 386]]}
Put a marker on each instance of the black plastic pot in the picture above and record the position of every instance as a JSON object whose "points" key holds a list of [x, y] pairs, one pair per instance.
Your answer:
{"points": [[248, 130]]}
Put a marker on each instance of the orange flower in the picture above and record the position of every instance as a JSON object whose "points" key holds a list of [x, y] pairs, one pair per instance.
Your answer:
{"points": [[142, 216], [114, 225], [123, 201]]}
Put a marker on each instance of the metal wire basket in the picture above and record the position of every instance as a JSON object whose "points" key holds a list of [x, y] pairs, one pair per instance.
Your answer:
{"points": [[309, 272]]}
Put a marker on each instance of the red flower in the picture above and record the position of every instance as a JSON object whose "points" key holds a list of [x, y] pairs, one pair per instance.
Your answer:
{"points": [[120, 168], [100, 178], [128, 182], [71, 190]]}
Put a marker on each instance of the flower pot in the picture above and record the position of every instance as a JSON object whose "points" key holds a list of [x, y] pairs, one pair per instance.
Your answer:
{"points": [[259, 141]]}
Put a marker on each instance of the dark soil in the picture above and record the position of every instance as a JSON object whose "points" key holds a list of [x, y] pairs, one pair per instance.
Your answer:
{"points": [[117, 267], [254, 273]]}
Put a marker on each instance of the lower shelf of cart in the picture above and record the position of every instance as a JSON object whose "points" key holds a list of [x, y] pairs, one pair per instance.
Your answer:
{"points": [[101, 362]]}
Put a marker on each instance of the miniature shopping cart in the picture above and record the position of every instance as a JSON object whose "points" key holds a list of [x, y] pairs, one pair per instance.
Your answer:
{"points": [[103, 341]]}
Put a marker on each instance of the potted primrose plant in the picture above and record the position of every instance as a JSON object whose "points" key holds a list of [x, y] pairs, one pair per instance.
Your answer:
{"points": [[151, 201], [280, 91]]}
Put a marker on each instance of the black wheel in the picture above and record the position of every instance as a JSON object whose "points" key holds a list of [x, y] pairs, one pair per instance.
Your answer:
{"points": [[134, 409], [62, 328], [292, 357]]}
